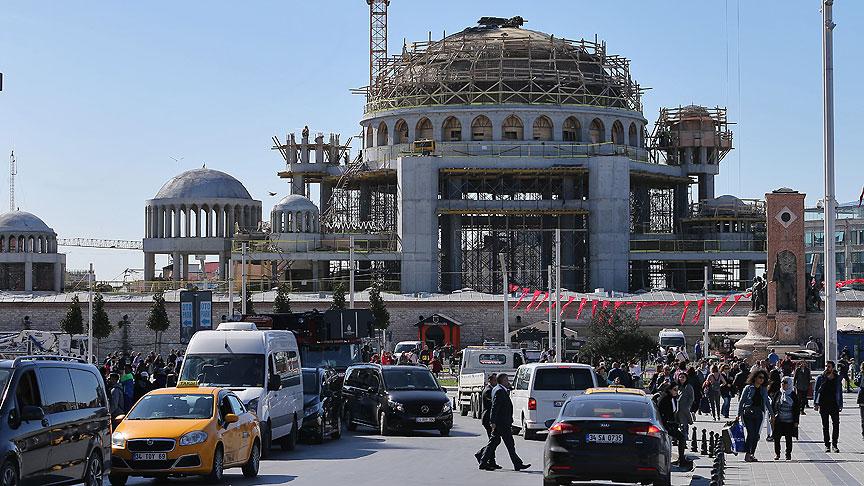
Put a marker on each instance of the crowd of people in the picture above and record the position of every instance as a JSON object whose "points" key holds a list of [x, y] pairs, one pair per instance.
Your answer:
{"points": [[129, 377], [436, 359]]}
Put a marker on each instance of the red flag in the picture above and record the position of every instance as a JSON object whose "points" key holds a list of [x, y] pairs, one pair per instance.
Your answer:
{"points": [[605, 304], [639, 306], [617, 305], [684, 314], [569, 301], [737, 298], [581, 306], [722, 301], [545, 297], [667, 305], [521, 297], [699, 305], [593, 308], [534, 299]]}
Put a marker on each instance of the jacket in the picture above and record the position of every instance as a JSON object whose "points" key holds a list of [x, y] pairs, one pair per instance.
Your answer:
{"points": [[838, 391], [116, 400], [802, 378], [667, 411], [501, 414], [775, 406], [861, 390], [486, 396], [747, 399], [686, 397]]}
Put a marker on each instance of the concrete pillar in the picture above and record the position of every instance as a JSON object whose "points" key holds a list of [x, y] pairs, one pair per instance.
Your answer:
{"points": [[147, 222], [149, 266], [28, 274], [319, 149], [188, 213], [175, 271], [220, 220], [224, 262], [706, 187], [197, 222], [325, 192], [58, 277], [185, 262], [417, 180], [176, 233], [160, 217], [208, 224], [609, 222]]}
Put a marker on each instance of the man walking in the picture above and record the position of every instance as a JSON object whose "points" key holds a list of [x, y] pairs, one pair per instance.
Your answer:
{"points": [[501, 421], [486, 396], [828, 401], [802, 384]]}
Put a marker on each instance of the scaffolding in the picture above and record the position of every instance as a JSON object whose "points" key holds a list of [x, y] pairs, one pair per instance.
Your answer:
{"points": [[691, 135]]}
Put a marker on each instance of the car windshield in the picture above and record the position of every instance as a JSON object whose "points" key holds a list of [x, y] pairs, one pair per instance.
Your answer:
{"points": [[227, 370], [330, 355], [311, 383], [414, 379], [401, 348], [165, 406], [606, 408], [570, 379], [676, 341]]}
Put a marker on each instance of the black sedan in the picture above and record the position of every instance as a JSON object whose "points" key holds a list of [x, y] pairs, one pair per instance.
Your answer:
{"points": [[611, 434], [322, 404]]}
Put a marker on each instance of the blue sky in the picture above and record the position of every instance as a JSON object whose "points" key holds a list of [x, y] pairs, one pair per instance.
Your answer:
{"points": [[99, 96]]}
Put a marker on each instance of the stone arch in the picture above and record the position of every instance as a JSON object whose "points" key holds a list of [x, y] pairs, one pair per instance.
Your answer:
{"points": [[617, 133], [369, 136], [571, 131], [382, 134], [512, 128], [633, 135], [424, 129], [481, 129], [400, 132], [596, 131], [542, 129], [451, 130]]}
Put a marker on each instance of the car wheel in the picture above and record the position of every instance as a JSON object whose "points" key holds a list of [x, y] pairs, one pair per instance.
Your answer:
{"points": [[118, 479], [665, 480], [218, 469], [445, 431], [337, 433], [289, 442], [94, 475], [527, 434], [266, 439], [349, 422], [250, 469], [319, 437], [9, 474], [383, 426], [463, 410]]}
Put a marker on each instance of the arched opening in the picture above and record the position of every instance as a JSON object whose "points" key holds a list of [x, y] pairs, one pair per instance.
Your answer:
{"points": [[369, 134], [617, 133], [633, 135], [542, 129], [401, 131], [572, 130], [481, 129], [512, 128], [424, 129], [596, 132], [382, 134], [451, 131]]}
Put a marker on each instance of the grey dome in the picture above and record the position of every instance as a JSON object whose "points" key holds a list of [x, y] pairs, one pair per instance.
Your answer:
{"points": [[203, 184], [295, 202], [727, 201], [22, 222]]}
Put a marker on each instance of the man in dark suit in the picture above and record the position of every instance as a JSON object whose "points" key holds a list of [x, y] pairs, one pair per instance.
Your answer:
{"points": [[486, 396], [501, 421]]}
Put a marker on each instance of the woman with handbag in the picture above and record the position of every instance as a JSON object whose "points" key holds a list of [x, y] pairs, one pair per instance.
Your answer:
{"points": [[785, 410], [751, 409], [725, 390]]}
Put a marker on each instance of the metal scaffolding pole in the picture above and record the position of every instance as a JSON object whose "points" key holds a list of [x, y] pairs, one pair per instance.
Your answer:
{"points": [[243, 290], [351, 265], [90, 315], [502, 258], [829, 201], [705, 311], [551, 329], [230, 289], [559, 353]]}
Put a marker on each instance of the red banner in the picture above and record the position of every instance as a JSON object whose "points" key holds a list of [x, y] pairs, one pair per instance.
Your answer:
{"points": [[639, 306], [521, 297], [594, 308], [684, 314], [569, 301], [736, 299], [581, 307], [544, 299], [533, 299], [722, 301]]}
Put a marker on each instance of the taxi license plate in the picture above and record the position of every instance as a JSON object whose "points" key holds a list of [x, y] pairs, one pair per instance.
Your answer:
{"points": [[423, 420], [606, 438], [558, 403], [149, 456]]}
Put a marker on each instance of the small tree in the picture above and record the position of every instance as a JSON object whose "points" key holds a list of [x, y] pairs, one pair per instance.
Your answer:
{"points": [[377, 306], [618, 337], [123, 324], [73, 321], [281, 303], [338, 297], [250, 306], [102, 327], [157, 320]]}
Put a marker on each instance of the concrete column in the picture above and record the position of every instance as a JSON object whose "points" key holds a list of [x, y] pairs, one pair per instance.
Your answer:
{"points": [[230, 218], [147, 222], [208, 224], [160, 217], [220, 220], [417, 182], [185, 262], [175, 271], [28, 274], [319, 149], [224, 262], [188, 213], [609, 225], [706, 187], [197, 222], [176, 233], [58, 277], [149, 266], [325, 192]]}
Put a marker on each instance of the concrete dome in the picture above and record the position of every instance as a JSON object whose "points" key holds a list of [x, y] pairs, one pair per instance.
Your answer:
{"points": [[22, 222], [295, 202], [203, 184], [727, 201]]}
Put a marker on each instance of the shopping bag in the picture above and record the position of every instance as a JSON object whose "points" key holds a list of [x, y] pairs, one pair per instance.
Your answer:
{"points": [[733, 437]]}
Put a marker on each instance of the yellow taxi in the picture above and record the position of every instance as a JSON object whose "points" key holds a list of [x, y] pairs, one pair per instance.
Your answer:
{"points": [[185, 431]]}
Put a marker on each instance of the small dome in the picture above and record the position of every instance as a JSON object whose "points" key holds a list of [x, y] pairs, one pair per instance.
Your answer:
{"points": [[727, 201], [203, 184], [22, 222], [295, 202]]}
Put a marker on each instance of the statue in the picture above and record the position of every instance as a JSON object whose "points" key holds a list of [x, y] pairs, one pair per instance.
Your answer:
{"points": [[786, 281], [759, 296], [814, 299]]}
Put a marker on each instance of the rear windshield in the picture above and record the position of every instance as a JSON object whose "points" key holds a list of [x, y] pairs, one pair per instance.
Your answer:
{"points": [[401, 348], [310, 382], [563, 379], [604, 408], [173, 406], [676, 341], [493, 359]]}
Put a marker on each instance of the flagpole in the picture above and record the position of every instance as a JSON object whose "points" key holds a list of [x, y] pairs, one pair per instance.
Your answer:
{"points": [[829, 200]]}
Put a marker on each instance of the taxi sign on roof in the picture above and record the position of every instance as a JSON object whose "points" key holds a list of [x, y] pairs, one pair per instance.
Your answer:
{"points": [[187, 384], [615, 389]]}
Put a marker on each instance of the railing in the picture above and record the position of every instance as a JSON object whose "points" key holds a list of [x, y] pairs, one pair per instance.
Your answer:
{"points": [[703, 246], [739, 209], [387, 243], [533, 149]]}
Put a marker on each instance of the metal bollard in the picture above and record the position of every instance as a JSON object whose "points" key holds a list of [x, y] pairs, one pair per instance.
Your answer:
{"points": [[712, 444], [704, 450], [693, 443]]}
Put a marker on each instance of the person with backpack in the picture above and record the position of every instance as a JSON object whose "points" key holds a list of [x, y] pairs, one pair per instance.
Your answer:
{"points": [[802, 377], [712, 389], [751, 409]]}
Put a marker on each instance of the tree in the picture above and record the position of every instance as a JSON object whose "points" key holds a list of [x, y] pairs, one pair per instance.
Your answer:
{"points": [[250, 306], [157, 320], [73, 321], [124, 341], [102, 327], [338, 297], [281, 303], [617, 336], [377, 306]]}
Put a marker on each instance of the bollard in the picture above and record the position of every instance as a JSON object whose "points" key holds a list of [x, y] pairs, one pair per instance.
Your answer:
{"points": [[704, 450], [712, 444], [693, 442]]}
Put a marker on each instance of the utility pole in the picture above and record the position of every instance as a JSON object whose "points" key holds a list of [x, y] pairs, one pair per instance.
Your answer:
{"points": [[90, 315], [559, 349], [551, 330], [829, 201], [503, 259], [230, 288], [705, 311], [243, 290], [351, 272]]}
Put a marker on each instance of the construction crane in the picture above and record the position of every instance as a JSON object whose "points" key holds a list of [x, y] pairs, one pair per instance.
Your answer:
{"points": [[377, 38], [13, 170], [99, 243]]}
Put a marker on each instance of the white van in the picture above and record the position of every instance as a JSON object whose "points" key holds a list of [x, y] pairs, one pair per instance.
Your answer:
{"points": [[672, 338], [261, 367], [405, 346], [540, 389]]}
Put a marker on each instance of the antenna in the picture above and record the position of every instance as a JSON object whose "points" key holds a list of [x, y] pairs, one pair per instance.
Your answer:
{"points": [[377, 38], [13, 170]]}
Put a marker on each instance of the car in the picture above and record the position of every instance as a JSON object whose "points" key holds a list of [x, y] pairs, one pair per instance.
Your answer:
{"points": [[389, 398], [322, 404], [405, 346], [611, 434], [56, 425], [540, 390], [185, 431]]}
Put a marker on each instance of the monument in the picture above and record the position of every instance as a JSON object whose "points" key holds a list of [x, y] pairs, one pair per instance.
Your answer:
{"points": [[782, 297]]}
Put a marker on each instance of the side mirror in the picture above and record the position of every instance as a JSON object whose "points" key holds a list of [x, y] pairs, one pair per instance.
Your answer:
{"points": [[443, 389], [274, 383], [231, 418], [549, 423], [30, 412], [119, 417]]}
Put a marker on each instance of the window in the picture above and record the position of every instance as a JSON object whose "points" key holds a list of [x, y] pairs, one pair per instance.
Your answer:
{"points": [[165, 406], [236, 405], [542, 129], [424, 129], [481, 129], [452, 130], [571, 130], [27, 392], [512, 128], [569, 379], [287, 366], [311, 382], [228, 370], [401, 130], [353, 378], [493, 359], [382, 134], [617, 133], [857, 237], [369, 137], [224, 408], [633, 136], [603, 408], [596, 132], [88, 389], [522, 378], [415, 379], [517, 360], [57, 394]]}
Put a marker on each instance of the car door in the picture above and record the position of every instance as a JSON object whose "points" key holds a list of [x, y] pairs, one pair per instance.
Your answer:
{"points": [[231, 434], [94, 421], [246, 426], [30, 437], [68, 454], [351, 393], [372, 396], [519, 395]]}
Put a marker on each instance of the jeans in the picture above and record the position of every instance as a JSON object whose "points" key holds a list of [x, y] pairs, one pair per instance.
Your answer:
{"points": [[752, 425], [861, 408], [802, 397], [714, 400], [724, 410], [834, 415], [783, 429], [501, 434]]}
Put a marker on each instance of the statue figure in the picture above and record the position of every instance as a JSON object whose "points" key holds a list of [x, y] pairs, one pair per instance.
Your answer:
{"points": [[784, 275], [814, 299], [759, 295]]}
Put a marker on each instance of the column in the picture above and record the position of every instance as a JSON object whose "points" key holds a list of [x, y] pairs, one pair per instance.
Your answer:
{"points": [[175, 271], [58, 277], [149, 266], [184, 260], [220, 219], [197, 222], [160, 221], [609, 222], [188, 213], [28, 274], [417, 179], [176, 233], [208, 224]]}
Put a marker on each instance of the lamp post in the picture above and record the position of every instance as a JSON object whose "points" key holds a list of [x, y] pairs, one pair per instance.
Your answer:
{"points": [[830, 202]]}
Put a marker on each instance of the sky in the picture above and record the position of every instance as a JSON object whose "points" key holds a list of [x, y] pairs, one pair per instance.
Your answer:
{"points": [[105, 101]]}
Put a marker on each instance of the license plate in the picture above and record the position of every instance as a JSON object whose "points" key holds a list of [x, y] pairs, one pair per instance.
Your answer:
{"points": [[425, 420], [606, 438], [558, 403], [149, 456]]}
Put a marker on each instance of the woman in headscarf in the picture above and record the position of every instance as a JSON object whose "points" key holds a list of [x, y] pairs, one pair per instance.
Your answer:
{"points": [[751, 409], [785, 410]]}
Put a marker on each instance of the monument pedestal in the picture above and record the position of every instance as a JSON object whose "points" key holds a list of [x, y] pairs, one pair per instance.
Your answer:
{"points": [[782, 331], [753, 347]]}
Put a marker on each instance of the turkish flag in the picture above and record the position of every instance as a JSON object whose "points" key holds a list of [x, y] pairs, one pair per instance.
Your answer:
{"points": [[736, 299], [581, 306], [722, 301], [593, 308], [521, 297], [684, 314], [534, 299], [569, 301]]}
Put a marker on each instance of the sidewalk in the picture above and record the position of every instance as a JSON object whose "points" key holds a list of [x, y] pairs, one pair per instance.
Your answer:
{"points": [[810, 464]]}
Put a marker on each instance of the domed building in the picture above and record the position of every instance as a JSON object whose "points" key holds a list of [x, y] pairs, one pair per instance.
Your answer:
{"points": [[197, 213], [28, 254]]}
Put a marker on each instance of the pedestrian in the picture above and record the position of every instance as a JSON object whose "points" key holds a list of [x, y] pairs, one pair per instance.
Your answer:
{"points": [[697, 350], [751, 409], [725, 390], [785, 412], [774, 378], [828, 401], [843, 371], [656, 379], [696, 383], [861, 396], [115, 396], [618, 375], [786, 366], [435, 366], [501, 422], [127, 381], [740, 380], [685, 400], [712, 386], [668, 405], [802, 384], [486, 404], [142, 385], [773, 357]]}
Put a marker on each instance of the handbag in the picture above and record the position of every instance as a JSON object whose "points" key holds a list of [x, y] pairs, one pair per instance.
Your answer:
{"points": [[733, 437]]}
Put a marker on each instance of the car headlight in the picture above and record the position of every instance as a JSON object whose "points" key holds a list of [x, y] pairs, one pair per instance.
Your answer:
{"points": [[193, 438], [252, 406], [118, 440], [396, 406], [447, 407]]}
